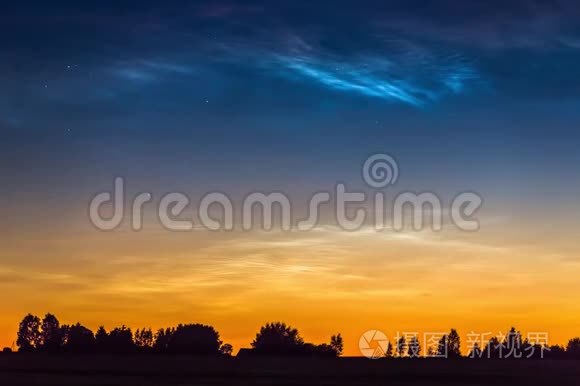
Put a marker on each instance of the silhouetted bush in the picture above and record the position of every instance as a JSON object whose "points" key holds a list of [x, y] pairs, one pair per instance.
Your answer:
{"points": [[278, 339], [556, 352], [78, 339], [194, 339], [573, 348], [120, 341], [226, 349], [162, 338]]}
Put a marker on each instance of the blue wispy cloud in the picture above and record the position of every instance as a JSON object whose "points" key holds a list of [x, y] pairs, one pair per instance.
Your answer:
{"points": [[147, 70], [383, 79]]}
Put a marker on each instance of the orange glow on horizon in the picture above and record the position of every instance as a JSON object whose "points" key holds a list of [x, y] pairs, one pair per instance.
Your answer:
{"points": [[321, 282]]}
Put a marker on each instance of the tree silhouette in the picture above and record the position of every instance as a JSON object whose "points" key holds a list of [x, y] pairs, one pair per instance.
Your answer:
{"points": [[194, 339], [449, 345], [443, 347], [101, 340], [120, 341], [535, 351], [512, 345], [556, 352], [453, 344], [51, 334], [29, 334], [573, 348], [144, 339], [493, 349], [389, 351], [401, 344], [414, 348], [162, 338], [337, 344], [321, 350], [278, 339], [226, 349], [475, 352], [78, 339]]}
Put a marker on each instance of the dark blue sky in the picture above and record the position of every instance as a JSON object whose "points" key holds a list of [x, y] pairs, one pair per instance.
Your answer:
{"points": [[270, 95]]}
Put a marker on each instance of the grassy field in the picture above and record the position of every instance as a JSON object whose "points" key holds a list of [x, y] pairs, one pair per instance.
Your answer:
{"points": [[150, 370]]}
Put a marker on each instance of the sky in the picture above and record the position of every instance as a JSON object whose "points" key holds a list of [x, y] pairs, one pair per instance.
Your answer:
{"points": [[197, 97]]}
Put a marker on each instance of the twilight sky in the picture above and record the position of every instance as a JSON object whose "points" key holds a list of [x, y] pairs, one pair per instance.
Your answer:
{"points": [[238, 97]]}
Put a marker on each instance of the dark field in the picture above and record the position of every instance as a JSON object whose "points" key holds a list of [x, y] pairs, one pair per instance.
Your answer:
{"points": [[147, 370]]}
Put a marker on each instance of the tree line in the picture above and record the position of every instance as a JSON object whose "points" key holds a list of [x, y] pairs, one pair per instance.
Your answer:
{"points": [[47, 335]]}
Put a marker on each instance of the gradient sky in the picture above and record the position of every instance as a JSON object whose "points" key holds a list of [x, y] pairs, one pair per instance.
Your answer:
{"points": [[203, 96]]}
